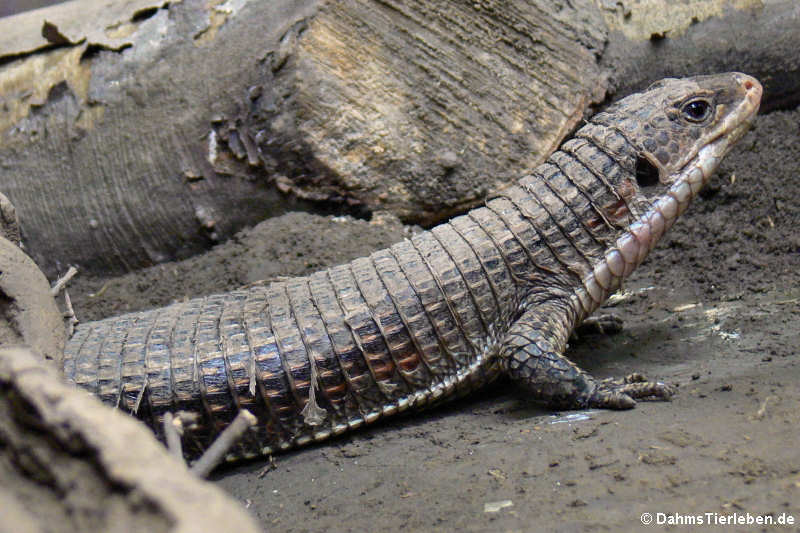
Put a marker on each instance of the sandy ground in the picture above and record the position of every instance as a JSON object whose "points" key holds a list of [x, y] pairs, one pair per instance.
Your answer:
{"points": [[714, 311]]}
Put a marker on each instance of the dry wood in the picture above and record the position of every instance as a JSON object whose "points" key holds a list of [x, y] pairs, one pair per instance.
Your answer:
{"points": [[216, 452], [28, 312], [69, 463], [173, 126], [138, 132]]}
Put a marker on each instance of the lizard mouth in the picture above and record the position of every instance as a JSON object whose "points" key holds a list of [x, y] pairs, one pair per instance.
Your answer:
{"points": [[634, 244], [735, 125], [697, 172], [642, 236]]}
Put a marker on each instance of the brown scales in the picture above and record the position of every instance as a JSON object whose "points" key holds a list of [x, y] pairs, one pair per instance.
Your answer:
{"points": [[498, 290]]}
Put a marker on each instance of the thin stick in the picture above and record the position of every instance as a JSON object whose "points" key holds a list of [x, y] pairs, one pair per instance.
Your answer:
{"points": [[214, 454], [69, 314], [63, 280], [270, 466], [172, 431], [187, 418]]}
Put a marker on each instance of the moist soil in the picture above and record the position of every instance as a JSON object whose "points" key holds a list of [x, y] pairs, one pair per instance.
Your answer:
{"points": [[715, 311]]}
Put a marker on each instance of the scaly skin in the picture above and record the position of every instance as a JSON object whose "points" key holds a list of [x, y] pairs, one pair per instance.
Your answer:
{"points": [[497, 290]]}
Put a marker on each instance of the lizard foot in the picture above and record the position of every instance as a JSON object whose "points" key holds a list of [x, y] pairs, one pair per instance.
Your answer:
{"points": [[606, 324], [622, 393]]}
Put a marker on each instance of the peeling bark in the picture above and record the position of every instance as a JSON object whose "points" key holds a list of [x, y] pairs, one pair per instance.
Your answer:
{"points": [[106, 153], [423, 108]]}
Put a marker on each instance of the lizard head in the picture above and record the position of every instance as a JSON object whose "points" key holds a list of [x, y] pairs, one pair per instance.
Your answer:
{"points": [[680, 129], [669, 140], [677, 125]]}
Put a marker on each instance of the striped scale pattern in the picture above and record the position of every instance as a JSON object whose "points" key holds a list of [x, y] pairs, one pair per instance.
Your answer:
{"points": [[495, 290], [402, 328]]}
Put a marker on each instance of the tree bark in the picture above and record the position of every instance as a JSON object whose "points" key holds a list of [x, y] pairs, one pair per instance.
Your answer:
{"points": [[28, 311], [70, 463], [107, 147], [190, 121], [147, 131]]}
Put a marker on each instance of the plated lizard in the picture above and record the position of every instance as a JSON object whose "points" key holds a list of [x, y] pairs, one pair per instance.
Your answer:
{"points": [[495, 291]]}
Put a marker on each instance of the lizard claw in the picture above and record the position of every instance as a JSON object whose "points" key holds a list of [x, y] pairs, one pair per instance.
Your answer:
{"points": [[605, 324], [616, 393]]}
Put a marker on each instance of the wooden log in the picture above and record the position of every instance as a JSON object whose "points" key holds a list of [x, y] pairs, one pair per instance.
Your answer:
{"points": [[159, 130], [28, 311], [70, 463], [136, 132], [107, 147]]}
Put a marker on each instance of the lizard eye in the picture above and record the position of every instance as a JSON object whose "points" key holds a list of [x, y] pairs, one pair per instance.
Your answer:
{"points": [[696, 110]]}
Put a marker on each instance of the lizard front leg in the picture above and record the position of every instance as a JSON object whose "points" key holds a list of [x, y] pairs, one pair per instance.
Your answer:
{"points": [[532, 354]]}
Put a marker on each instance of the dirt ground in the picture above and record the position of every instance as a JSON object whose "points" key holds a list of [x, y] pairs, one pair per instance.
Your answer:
{"points": [[715, 311]]}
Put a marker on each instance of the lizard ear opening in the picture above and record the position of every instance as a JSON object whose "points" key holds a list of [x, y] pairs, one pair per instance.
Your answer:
{"points": [[646, 172]]}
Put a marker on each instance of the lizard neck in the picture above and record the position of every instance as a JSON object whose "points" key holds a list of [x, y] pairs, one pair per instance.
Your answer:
{"points": [[582, 203]]}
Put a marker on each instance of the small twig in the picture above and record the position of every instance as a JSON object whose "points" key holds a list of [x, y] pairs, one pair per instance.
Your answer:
{"points": [[60, 285], [102, 290], [214, 454], [762, 411], [120, 394], [63, 280], [252, 374], [69, 315], [270, 466], [173, 429], [188, 419]]}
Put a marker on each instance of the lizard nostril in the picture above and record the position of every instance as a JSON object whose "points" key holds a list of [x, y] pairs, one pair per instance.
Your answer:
{"points": [[748, 85]]}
